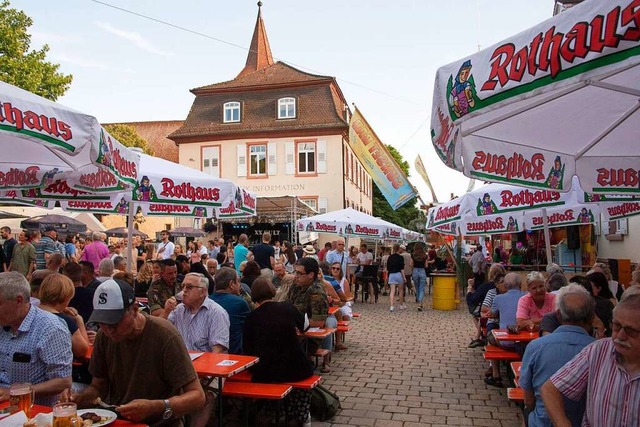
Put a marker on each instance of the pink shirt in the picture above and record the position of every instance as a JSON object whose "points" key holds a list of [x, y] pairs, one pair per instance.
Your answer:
{"points": [[527, 308], [95, 252], [613, 396]]}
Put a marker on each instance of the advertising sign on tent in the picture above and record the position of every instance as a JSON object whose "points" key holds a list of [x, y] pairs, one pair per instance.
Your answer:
{"points": [[557, 100], [378, 162]]}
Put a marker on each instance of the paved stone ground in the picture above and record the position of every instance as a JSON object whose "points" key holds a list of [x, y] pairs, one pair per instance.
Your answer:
{"points": [[410, 368]]}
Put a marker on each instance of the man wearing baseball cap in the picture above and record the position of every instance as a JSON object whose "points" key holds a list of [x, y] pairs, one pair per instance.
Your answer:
{"points": [[46, 246], [139, 363]]}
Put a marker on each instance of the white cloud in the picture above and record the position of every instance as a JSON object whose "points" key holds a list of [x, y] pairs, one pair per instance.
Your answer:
{"points": [[134, 38], [40, 37]]}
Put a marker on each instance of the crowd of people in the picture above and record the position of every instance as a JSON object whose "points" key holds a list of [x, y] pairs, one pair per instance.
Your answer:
{"points": [[588, 353], [58, 300]]}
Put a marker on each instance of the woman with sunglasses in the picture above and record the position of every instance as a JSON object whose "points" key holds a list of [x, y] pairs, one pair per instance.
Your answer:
{"points": [[345, 310]]}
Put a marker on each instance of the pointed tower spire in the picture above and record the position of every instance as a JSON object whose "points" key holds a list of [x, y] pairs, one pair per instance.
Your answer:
{"points": [[259, 56]]}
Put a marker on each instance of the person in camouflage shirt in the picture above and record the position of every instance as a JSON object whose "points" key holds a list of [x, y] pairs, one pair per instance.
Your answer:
{"points": [[308, 296], [162, 293]]}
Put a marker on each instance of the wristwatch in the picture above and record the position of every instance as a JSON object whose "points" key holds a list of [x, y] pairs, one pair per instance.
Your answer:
{"points": [[168, 412]]}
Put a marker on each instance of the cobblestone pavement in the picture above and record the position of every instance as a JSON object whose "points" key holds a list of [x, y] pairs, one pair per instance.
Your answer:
{"points": [[410, 368]]}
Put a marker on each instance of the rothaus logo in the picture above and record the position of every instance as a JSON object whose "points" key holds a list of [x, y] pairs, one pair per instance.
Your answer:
{"points": [[527, 198], [33, 121], [618, 177], [547, 51], [186, 191], [516, 166]]}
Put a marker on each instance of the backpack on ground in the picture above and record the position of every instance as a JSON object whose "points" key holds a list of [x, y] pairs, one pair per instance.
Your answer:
{"points": [[324, 403]]}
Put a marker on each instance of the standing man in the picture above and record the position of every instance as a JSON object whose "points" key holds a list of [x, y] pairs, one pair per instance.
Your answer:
{"points": [[162, 293], [95, 251], [240, 251], [324, 251], [543, 357], [264, 255], [139, 363], [203, 324], [9, 243], [24, 256], [607, 372], [166, 248], [227, 294], [45, 247], [36, 345], [340, 256], [214, 249], [408, 269], [83, 297], [478, 264], [89, 279]]}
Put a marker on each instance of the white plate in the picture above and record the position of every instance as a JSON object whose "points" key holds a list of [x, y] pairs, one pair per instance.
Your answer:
{"points": [[112, 416]]}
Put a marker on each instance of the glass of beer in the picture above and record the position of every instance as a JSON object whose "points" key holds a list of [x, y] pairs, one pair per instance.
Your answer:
{"points": [[21, 397], [65, 415]]}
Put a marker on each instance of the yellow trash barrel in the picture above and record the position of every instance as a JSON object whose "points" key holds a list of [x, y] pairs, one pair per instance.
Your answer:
{"points": [[444, 291]]}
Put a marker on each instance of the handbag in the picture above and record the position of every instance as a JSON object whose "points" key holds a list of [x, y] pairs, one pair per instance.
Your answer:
{"points": [[324, 403]]}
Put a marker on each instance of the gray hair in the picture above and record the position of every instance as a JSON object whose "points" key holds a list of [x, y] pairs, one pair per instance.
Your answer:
{"points": [[556, 281], [96, 235], [203, 282], [572, 310], [630, 301], [117, 261], [224, 276], [513, 281], [106, 267], [630, 291], [535, 276], [553, 268], [13, 284]]}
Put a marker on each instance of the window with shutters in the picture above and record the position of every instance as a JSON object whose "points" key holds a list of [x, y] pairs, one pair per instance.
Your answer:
{"points": [[286, 108], [231, 112], [306, 157], [257, 160], [312, 202], [211, 160]]}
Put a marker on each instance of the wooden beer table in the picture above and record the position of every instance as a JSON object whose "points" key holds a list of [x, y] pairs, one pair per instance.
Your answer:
{"points": [[220, 365]]}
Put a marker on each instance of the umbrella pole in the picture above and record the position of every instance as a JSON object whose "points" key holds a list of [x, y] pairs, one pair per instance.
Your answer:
{"points": [[130, 259], [547, 236], [375, 252]]}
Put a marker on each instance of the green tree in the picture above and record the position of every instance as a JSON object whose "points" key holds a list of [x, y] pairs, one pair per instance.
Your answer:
{"points": [[406, 214], [21, 67], [128, 136]]}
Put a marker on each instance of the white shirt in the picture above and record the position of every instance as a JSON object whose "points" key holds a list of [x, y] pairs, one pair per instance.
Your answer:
{"points": [[203, 251], [365, 258], [169, 248]]}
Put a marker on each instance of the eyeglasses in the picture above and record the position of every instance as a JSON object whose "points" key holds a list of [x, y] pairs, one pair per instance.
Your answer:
{"points": [[189, 287], [340, 244], [300, 273], [630, 332], [335, 268]]}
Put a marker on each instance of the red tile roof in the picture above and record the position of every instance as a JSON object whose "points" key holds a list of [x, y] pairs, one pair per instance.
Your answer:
{"points": [[259, 56]]}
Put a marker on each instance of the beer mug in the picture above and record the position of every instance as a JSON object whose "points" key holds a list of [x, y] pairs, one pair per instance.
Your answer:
{"points": [[65, 414], [21, 397]]}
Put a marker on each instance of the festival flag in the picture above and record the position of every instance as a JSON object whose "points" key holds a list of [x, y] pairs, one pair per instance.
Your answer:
{"points": [[423, 173], [378, 162]]}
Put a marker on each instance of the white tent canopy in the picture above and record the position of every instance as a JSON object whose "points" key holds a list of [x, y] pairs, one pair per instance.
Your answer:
{"points": [[42, 141], [350, 223], [557, 100]]}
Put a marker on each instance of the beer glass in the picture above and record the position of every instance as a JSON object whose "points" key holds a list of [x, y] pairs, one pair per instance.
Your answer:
{"points": [[21, 397], [65, 414]]}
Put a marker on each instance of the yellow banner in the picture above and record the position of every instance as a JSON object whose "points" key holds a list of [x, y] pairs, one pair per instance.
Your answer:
{"points": [[378, 162], [423, 173]]}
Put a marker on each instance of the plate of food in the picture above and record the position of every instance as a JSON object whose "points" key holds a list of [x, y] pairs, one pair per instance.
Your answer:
{"points": [[96, 417]]}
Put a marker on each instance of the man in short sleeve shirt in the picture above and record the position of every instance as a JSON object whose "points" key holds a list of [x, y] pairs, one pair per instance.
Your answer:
{"points": [[35, 346], [139, 362]]}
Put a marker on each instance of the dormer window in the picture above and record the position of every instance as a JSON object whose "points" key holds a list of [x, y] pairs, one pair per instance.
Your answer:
{"points": [[231, 112], [286, 108]]}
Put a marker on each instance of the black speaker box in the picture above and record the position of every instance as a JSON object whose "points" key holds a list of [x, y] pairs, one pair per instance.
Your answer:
{"points": [[573, 237]]}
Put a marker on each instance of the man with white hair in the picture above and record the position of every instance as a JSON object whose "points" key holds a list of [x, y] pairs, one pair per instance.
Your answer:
{"points": [[212, 266], [95, 251], [544, 356], [36, 345], [105, 270], [607, 372]]}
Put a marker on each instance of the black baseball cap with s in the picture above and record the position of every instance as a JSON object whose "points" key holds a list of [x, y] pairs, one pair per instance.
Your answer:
{"points": [[110, 301]]}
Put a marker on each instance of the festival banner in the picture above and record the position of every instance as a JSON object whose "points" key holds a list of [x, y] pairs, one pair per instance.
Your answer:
{"points": [[422, 171], [562, 217], [378, 162]]}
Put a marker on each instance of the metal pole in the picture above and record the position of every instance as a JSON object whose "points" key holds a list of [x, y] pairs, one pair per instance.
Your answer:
{"points": [[547, 236], [130, 259]]}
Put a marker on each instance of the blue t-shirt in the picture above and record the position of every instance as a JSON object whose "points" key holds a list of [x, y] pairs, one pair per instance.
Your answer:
{"points": [[237, 309], [239, 254], [506, 305], [333, 282], [543, 358]]}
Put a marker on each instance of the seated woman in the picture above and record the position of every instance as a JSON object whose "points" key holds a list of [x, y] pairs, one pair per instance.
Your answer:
{"points": [[475, 297], [599, 289], [144, 279], [55, 293], [270, 333], [282, 293], [534, 305]]}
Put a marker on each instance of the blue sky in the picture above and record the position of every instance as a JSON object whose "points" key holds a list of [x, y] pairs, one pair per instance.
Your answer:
{"points": [[384, 55]]}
